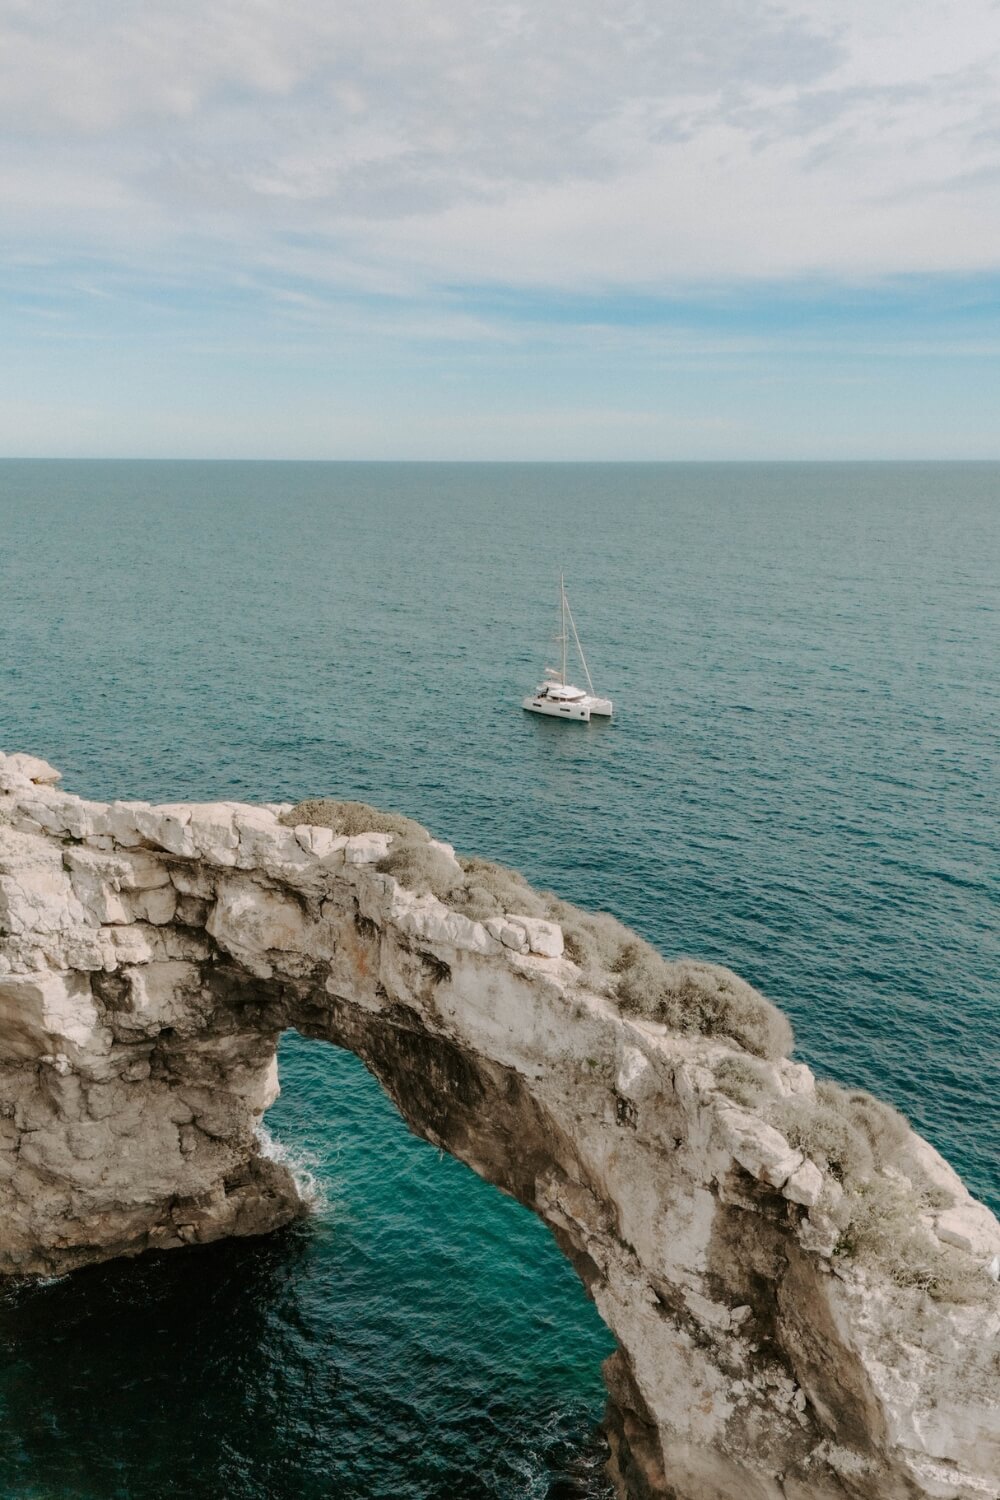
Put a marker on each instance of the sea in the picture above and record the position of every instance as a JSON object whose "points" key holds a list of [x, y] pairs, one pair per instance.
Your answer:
{"points": [[800, 781]]}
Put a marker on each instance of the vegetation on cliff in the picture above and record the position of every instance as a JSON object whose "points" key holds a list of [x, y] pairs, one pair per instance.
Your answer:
{"points": [[687, 995], [877, 1191]]}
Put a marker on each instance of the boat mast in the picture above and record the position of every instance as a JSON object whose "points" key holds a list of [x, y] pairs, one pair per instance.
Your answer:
{"points": [[583, 659], [562, 632]]}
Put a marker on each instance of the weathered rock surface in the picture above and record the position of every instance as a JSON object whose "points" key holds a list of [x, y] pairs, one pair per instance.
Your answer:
{"points": [[149, 959]]}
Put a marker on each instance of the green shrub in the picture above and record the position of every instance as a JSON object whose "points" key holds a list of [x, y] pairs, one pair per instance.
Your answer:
{"points": [[423, 868], [885, 1128], [823, 1129], [699, 998], [854, 1137], [640, 972], [490, 890], [742, 1079], [712, 1000], [594, 941], [350, 818], [932, 1194], [882, 1229], [685, 995], [908, 1158], [888, 1136]]}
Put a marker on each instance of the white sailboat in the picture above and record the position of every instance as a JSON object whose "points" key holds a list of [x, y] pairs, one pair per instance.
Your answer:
{"points": [[556, 696]]}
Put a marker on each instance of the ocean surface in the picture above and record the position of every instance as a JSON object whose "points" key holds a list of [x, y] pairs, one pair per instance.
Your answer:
{"points": [[801, 781]]}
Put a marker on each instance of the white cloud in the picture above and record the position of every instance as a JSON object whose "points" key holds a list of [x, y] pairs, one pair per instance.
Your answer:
{"points": [[420, 141]]}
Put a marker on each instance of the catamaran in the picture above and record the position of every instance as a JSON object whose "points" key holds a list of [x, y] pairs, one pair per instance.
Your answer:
{"points": [[556, 696]]}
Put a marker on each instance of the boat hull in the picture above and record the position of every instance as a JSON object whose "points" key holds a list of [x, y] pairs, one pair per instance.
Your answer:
{"points": [[580, 713]]}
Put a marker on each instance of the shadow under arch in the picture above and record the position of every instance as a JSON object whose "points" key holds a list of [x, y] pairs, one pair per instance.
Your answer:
{"points": [[417, 1337], [464, 1339], [485, 1115]]}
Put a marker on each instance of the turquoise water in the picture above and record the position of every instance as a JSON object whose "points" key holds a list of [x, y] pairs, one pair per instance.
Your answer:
{"points": [[801, 782]]}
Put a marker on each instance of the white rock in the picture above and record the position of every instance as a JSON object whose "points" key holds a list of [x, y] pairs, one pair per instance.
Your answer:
{"points": [[168, 827], [366, 848], [161, 992], [157, 905], [634, 1074], [114, 1136], [427, 918], [971, 1227], [322, 842], [41, 899], [932, 1165], [60, 813], [131, 945], [50, 1013], [804, 1185], [448, 851], [270, 1087], [96, 880], [198, 880], [141, 871], [214, 832], [119, 819], [250, 919], [758, 1147], [266, 844], [711, 1315], [796, 1078], [33, 769], [544, 938], [510, 934]]}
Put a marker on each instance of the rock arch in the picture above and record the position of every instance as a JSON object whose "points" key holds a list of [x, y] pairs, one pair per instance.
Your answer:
{"points": [[150, 958]]}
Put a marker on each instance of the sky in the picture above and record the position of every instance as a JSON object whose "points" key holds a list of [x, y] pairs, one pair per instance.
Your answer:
{"points": [[480, 229]]}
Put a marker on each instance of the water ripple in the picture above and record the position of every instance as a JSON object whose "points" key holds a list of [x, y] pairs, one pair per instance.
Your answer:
{"points": [[802, 783]]}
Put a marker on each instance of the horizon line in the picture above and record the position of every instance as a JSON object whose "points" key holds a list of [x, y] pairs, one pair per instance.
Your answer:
{"points": [[110, 458]]}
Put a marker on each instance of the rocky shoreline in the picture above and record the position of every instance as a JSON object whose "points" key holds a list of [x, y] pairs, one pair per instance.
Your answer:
{"points": [[151, 956]]}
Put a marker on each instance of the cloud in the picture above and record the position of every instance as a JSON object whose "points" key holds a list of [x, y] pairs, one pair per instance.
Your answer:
{"points": [[541, 144]]}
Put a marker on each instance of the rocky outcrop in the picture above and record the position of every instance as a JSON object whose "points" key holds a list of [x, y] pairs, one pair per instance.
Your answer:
{"points": [[149, 959]]}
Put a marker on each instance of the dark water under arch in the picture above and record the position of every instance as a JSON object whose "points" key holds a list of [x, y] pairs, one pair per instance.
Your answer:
{"points": [[250, 1369]]}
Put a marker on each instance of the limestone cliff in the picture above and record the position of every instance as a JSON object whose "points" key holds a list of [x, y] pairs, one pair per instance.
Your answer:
{"points": [[149, 959]]}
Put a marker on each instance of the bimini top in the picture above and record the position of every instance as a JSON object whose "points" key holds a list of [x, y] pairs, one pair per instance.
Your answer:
{"points": [[560, 690]]}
